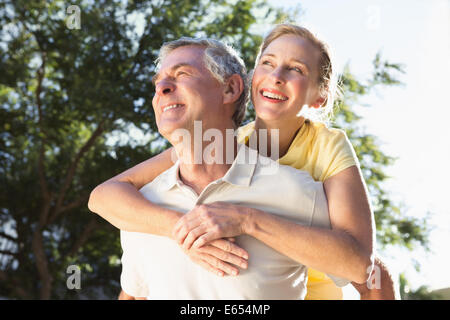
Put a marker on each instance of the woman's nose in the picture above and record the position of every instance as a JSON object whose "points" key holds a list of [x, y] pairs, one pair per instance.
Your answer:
{"points": [[277, 76]]}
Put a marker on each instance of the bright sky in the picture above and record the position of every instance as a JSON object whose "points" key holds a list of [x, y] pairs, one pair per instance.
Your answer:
{"points": [[411, 121]]}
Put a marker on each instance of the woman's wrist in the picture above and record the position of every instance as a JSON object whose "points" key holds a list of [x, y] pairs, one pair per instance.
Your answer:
{"points": [[169, 219], [249, 223]]}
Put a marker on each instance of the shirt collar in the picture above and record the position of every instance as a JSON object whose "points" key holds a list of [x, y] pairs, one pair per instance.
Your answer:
{"points": [[240, 173], [243, 167], [171, 178]]}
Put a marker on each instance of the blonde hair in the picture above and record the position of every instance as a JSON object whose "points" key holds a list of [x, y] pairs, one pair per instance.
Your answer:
{"points": [[326, 81]]}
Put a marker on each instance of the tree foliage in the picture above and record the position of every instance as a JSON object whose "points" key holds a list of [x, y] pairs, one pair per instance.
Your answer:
{"points": [[421, 293], [67, 100], [393, 226], [63, 95]]}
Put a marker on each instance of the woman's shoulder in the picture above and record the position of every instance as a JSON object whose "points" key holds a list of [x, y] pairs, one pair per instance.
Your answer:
{"points": [[330, 150], [329, 139], [326, 133]]}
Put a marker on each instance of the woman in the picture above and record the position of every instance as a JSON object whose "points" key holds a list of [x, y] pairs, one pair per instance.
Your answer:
{"points": [[293, 72]]}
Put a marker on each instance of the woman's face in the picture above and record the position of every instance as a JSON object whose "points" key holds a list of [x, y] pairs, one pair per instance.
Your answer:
{"points": [[285, 78]]}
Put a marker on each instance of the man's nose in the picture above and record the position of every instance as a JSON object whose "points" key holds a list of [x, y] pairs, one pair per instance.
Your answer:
{"points": [[164, 87]]}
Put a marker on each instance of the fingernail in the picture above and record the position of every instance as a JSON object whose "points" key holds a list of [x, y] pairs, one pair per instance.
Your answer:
{"points": [[244, 265], [234, 272]]}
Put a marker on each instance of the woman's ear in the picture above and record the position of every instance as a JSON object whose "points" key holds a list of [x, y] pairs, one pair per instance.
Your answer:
{"points": [[234, 87], [319, 102]]}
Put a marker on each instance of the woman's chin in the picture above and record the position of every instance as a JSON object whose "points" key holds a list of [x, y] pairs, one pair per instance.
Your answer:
{"points": [[269, 114]]}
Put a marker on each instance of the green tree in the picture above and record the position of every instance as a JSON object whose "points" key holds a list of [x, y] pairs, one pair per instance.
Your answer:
{"points": [[72, 102], [64, 93], [421, 293], [394, 227]]}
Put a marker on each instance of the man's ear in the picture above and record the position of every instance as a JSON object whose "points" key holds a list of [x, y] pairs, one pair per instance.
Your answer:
{"points": [[233, 89]]}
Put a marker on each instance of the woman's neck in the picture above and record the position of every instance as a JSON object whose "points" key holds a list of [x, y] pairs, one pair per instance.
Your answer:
{"points": [[287, 130]]}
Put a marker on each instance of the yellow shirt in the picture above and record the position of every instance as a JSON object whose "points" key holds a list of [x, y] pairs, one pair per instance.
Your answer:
{"points": [[323, 152]]}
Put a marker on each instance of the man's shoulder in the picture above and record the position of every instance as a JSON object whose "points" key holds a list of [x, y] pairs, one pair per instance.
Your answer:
{"points": [[162, 181], [165, 176]]}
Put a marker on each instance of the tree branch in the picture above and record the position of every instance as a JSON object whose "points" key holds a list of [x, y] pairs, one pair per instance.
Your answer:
{"points": [[91, 226], [8, 253], [42, 264], [6, 236], [140, 48], [72, 168], [13, 283], [83, 199], [41, 169]]}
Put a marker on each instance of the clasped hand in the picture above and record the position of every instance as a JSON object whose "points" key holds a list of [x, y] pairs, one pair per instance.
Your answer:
{"points": [[206, 234]]}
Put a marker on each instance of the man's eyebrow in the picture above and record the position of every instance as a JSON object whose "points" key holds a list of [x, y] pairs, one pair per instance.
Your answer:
{"points": [[155, 77], [172, 69]]}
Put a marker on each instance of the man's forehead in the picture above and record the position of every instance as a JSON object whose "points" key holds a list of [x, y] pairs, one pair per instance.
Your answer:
{"points": [[190, 56], [187, 55]]}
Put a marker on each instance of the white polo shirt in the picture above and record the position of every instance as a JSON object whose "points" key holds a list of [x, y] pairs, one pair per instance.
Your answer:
{"points": [[156, 267]]}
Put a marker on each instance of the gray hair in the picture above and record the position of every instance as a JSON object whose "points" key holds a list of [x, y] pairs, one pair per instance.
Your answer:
{"points": [[221, 60]]}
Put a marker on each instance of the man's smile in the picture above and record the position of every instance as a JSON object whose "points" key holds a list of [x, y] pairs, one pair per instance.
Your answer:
{"points": [[171, 106]]}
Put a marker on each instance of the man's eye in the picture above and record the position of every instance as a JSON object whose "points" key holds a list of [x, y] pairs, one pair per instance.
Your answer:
{"points": [[180, 73], [268, 63]]}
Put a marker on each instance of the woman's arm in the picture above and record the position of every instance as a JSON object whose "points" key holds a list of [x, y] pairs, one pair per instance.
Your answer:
{"points": [[345, 251], [119, 201]]}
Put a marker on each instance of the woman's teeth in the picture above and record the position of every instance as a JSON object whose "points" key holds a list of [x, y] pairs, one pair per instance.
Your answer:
{"points": [[273, 95]]}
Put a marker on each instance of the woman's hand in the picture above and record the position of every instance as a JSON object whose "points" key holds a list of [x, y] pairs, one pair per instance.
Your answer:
{"points": [[208, 222], [219, 256]]}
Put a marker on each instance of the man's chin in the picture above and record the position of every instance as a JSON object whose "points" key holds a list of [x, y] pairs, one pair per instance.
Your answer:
{"points": [[174, 132]]}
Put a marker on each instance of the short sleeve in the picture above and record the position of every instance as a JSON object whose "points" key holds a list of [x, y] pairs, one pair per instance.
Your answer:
{"points": [[340, 282], [338, 153], [131, 279]]}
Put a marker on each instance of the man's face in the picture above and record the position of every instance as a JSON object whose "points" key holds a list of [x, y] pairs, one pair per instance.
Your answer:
{"points": [[186, 91]]}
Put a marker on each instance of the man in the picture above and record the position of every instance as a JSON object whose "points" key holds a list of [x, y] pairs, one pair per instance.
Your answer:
{"points": [[189, 97]]}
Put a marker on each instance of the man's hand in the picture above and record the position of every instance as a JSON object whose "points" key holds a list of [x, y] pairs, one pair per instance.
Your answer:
{"points": [[386, 290], [219, 257], [208, 222]]}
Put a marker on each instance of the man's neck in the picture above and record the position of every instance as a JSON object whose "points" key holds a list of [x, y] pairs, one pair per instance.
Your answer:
{"points": [[198, 174]]}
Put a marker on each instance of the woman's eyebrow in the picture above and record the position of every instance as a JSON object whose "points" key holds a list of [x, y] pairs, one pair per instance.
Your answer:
{"points": [[172, 69], [301, 62], [293, 60], [268, 54]]}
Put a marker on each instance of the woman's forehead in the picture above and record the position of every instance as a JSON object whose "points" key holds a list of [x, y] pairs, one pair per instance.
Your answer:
{"points": [[292, 44], [293, 48]]}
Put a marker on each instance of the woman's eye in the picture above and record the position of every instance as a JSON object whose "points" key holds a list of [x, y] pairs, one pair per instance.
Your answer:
{"points": [[266, 63], [297, 69]]}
